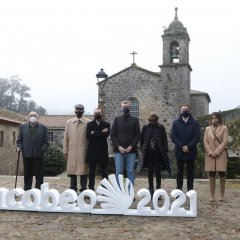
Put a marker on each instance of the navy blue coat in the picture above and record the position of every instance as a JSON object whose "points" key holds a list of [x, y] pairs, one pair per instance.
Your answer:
{"points": [[185, 134], [32, 146]]}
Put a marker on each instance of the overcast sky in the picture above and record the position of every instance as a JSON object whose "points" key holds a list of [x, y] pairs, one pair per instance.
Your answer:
{"points": [[58, 46]]}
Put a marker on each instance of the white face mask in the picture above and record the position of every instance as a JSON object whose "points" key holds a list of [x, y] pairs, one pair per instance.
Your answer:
{"points": [[32, 119]]}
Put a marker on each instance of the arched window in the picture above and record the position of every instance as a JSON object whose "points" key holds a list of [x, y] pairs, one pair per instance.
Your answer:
{"points": [[135, 107], [174, 49]]}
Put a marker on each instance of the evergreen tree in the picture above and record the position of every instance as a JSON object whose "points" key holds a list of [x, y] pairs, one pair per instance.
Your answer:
{"points": [[14, 96]]}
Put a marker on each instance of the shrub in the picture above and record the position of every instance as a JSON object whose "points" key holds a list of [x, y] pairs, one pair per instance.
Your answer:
{"points": [[54, 162], [233, 167], [199, 168]]}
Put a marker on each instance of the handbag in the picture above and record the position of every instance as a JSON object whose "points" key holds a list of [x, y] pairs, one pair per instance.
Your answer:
{"points": [[219, 141]]}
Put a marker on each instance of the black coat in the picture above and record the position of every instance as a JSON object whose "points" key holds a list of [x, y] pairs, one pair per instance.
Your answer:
{"points": [[32, 145], [97, 151], [157, 132], [125, 134]]}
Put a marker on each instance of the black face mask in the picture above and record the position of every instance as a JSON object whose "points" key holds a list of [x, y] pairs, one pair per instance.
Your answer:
{"points": [[126, 110], [185, 114], [79, 113], [152, 123], [98, 116]]}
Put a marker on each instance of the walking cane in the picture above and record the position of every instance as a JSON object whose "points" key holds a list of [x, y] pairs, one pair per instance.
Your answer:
{"points": [[17, 169]]}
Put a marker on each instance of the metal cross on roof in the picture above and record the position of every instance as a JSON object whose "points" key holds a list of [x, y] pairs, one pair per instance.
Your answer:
{"points": [[133, 53]]}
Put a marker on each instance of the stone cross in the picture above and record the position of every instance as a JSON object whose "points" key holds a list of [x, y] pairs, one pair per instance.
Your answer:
{"points": [[133, 53]]}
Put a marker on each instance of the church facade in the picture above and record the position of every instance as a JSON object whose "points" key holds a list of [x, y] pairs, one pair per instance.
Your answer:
{"points": [[156, 92]]}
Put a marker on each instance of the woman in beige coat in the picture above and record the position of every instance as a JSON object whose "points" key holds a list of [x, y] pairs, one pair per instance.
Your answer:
{"points": [[215, 142]]}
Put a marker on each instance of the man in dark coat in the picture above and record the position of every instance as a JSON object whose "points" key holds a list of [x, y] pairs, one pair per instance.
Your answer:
{"points": [[185, 134], [154, 149], [97, 152], [32, 141], [125, 135]]}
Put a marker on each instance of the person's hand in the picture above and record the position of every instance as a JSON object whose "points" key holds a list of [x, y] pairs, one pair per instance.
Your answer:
{"points": [[185, 149], [121, 149], [18, 150], [213, 155], [104, 130], [66, 157], [129, 149]]}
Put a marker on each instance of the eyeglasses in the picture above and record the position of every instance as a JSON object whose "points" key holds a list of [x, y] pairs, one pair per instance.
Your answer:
{"points": [[32, 115]]}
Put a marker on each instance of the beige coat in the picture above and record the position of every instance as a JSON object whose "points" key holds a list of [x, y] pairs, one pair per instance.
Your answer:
{"points": [[75, 146], [212, 145]]}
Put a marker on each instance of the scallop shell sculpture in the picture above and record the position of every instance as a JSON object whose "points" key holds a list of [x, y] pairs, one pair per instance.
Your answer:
{"points": [[115, 198]]}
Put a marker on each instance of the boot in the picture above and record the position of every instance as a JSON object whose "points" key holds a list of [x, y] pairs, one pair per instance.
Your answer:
{"points": [[212, 182], [222, 187]]}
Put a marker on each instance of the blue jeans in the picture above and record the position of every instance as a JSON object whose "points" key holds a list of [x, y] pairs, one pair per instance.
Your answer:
{"points": [[130, 162]]}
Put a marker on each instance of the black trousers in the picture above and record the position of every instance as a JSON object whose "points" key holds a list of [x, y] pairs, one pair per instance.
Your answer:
{"points": [[190, 173], [154, 163], [73, 182], [92, 169], [32, 167]]}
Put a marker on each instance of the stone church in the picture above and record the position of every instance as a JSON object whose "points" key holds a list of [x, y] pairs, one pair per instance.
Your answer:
{"points": [[160, 92]]}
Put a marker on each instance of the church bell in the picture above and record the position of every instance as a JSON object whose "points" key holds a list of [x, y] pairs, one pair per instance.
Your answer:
{"points": [[175, 52]]}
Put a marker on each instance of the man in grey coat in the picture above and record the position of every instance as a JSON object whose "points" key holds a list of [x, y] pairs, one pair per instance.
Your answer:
{"points": [[32, 141]]}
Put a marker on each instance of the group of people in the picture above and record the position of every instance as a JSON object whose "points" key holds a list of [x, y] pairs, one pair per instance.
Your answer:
{"points": [[85, 145]]}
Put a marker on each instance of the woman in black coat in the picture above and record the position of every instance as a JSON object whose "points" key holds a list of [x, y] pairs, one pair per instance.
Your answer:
{"points": [[154, 148]]}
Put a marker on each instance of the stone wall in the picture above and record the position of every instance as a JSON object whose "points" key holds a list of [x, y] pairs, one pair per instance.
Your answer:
{"points": [[176, 79], [8, 155], [199, 104]]}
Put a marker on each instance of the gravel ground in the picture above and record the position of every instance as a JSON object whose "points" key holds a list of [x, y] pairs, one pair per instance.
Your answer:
{"points": [[215, 221]]}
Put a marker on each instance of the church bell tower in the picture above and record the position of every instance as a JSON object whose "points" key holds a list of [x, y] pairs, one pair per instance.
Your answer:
{"points": [[175, 69]]}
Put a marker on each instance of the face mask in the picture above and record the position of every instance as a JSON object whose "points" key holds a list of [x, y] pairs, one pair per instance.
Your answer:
{"points": [[153, 124], [32, 119], [185, 114], [79, 113], [215, 121], [97, 116], [126, 110]]}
